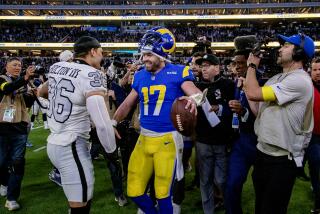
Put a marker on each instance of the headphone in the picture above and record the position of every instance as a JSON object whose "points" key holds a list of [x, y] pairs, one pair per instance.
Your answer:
{"points": [[298, 51]]}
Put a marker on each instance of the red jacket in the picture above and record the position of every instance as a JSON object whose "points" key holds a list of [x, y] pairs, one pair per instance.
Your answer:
{"points": [[316, 111]]}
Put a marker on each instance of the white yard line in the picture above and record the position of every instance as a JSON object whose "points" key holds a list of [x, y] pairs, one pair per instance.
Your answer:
{"points": [[37, 128], [39, 149]]}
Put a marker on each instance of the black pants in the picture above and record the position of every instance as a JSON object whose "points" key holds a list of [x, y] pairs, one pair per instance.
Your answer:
{"points": [[313, 155], [113, 163], [273, 180]]}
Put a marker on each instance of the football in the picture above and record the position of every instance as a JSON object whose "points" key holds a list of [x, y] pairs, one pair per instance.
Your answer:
{"points": [[182, 119]]}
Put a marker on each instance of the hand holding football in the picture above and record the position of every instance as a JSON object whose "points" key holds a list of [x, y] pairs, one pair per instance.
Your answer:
{"points": [[183, 120]]}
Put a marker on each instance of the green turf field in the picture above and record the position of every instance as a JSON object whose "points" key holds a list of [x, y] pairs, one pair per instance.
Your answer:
{"points": [[39, 195]]}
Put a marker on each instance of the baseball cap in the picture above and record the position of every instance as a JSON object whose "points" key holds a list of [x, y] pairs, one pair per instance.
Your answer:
{"points": [[65, 56], [212, 59], [300, 40], [84, 44]]}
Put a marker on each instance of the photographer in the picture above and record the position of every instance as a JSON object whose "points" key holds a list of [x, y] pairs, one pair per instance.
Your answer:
{"points": [[14, 119], [284, 122]]}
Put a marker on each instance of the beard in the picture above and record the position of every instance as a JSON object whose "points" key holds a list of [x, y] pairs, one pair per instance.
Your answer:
{"points": [[282, 59], [152, 66]]}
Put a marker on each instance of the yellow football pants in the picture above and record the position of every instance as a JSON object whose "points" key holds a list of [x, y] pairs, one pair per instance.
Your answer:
{"points": [[152, 154]]}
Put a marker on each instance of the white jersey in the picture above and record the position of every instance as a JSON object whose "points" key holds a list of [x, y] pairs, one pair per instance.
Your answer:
{"points": [[69, 84]]}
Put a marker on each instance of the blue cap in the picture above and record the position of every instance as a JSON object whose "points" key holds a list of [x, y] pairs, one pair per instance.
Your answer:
{"points": [[300, 40]]}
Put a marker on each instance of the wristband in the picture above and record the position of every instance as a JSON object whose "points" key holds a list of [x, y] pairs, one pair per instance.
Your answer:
{"points": [[252, 65]]}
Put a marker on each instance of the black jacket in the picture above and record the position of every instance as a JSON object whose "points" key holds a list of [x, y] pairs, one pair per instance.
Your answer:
{"points": [[220, 92]]}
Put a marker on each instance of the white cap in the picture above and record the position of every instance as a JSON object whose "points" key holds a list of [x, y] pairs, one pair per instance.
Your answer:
{"points": [[65, 56]]}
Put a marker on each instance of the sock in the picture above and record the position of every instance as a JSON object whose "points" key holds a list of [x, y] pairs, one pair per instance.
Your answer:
{"points": [[44, 117], [145, 203], [165, 205], [81, 210]]}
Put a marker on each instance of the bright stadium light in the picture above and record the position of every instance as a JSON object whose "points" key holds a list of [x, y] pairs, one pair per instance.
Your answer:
{"points": [[218, 25], [165, 17]]}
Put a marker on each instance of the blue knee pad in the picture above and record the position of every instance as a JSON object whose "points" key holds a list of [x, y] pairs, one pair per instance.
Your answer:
{"points": [[145, 203], [165, 205]]}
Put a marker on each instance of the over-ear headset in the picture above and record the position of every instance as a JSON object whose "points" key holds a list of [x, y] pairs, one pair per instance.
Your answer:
{"points": [[298, 51]]}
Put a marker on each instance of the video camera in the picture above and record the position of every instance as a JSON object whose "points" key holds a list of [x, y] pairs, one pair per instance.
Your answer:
{"points": [[245, 45], [202, 45]]}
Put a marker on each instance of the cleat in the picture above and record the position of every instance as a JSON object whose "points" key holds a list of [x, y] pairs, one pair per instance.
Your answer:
{"points": [[176, 208], [122, 200], [12, 205], [55, 177], [3, 190]]}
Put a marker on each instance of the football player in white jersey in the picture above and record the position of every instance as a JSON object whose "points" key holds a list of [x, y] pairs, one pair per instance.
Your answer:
{"points": [[76, 95]]}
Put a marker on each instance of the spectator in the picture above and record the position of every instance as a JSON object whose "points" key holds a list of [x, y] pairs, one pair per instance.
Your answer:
{"points": [[66, 56], [313, 151], [196, 70], [211, 141]]}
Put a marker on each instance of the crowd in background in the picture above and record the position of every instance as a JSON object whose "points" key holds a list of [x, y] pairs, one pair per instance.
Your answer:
{"points": [[35, 33]]}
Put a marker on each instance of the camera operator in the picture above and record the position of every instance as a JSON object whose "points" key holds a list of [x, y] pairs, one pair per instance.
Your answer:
{"points": [[14, 119], [284, 122]]}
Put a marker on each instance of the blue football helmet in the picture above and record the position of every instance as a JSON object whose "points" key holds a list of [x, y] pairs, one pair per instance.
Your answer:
{"points": [[158, 40]]}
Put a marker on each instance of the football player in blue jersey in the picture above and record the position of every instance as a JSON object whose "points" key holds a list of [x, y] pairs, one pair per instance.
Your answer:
{"points": [[159, 147]]}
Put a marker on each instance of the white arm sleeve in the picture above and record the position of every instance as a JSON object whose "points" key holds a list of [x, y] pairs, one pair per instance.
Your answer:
{"points": [[100, 117]]}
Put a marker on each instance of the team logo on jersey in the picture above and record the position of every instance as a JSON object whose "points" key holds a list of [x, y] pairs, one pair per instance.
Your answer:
{"points": [[172, 72]]}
